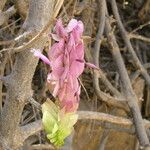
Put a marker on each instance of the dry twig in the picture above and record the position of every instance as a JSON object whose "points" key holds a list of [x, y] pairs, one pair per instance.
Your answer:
{"points": [[128, 91], [29, 44], [128, 43]]}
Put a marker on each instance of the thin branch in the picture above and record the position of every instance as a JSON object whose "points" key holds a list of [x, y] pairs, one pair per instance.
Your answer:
{"points": [[10, 25], [20, 79], [35, 103], [128, 43], [125, 123], [100, 74], [2, 4], [29, 44], [112, 101], [137, 73], [84, 115], [104, 139], [99, 35], [42, 146], [31, 129], [139, 37], [4, 16], [140, 27], [128, 90]]}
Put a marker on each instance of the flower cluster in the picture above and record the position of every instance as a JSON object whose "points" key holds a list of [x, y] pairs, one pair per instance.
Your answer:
{"points": [[66, 60]]}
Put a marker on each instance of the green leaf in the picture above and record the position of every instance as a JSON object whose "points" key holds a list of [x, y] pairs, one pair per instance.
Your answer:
{"points": [[57, 123], [50, 116]]}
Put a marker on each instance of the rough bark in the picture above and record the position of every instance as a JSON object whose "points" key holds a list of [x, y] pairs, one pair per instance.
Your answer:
{"points": [[18, 83]]}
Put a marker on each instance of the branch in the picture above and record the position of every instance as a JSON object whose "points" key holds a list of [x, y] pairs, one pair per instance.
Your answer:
{"points": [[107, 120], [99, 37], [4, 16], [137, 73], [101, 95], [31, 129], [139, 37], [128, 90], [42, 146], [104, 139], [29, 44], [112, 101], [2, 4], [18, 83], [128, 43]]}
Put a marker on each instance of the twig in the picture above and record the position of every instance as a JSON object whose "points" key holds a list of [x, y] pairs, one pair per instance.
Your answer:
{"points": [[37, 117], [6, 42], [2, 4], [84, 115], [139, 37], [66, 7], [31, 129], [36, 126], [104, 139], [97, 47], [4, 16], [35, 103], [107, 83], [87, 95], [17, 39], [128, 43], [128, 90], [141, 27], [29, 44], [20, 79], [105, 134], [2, 70], [137, 73], [41, 146], [99, 37], [9, 24], [112, 101]]}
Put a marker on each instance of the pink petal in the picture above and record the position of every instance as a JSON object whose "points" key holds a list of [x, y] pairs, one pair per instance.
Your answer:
{"points": [[71, 43], [41, 56], [80, 27], [80, 50], [91, 66], [72, 24], [73, 55], [57, 67], [78, 31], [74, 84], [62, 92], [76, 68], [58, 62], [56, 49], [60, 30], [66, 66], [57, 73]]}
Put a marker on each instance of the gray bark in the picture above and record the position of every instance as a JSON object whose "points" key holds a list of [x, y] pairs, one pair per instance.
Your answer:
{"points": [[18, 83]]}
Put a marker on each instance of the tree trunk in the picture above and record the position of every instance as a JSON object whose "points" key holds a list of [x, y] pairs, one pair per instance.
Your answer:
{"points": [[18, 83]]}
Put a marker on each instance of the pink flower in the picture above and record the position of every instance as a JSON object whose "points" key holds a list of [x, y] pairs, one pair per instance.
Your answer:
{"points": [[41, 56], [66, 59]]}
